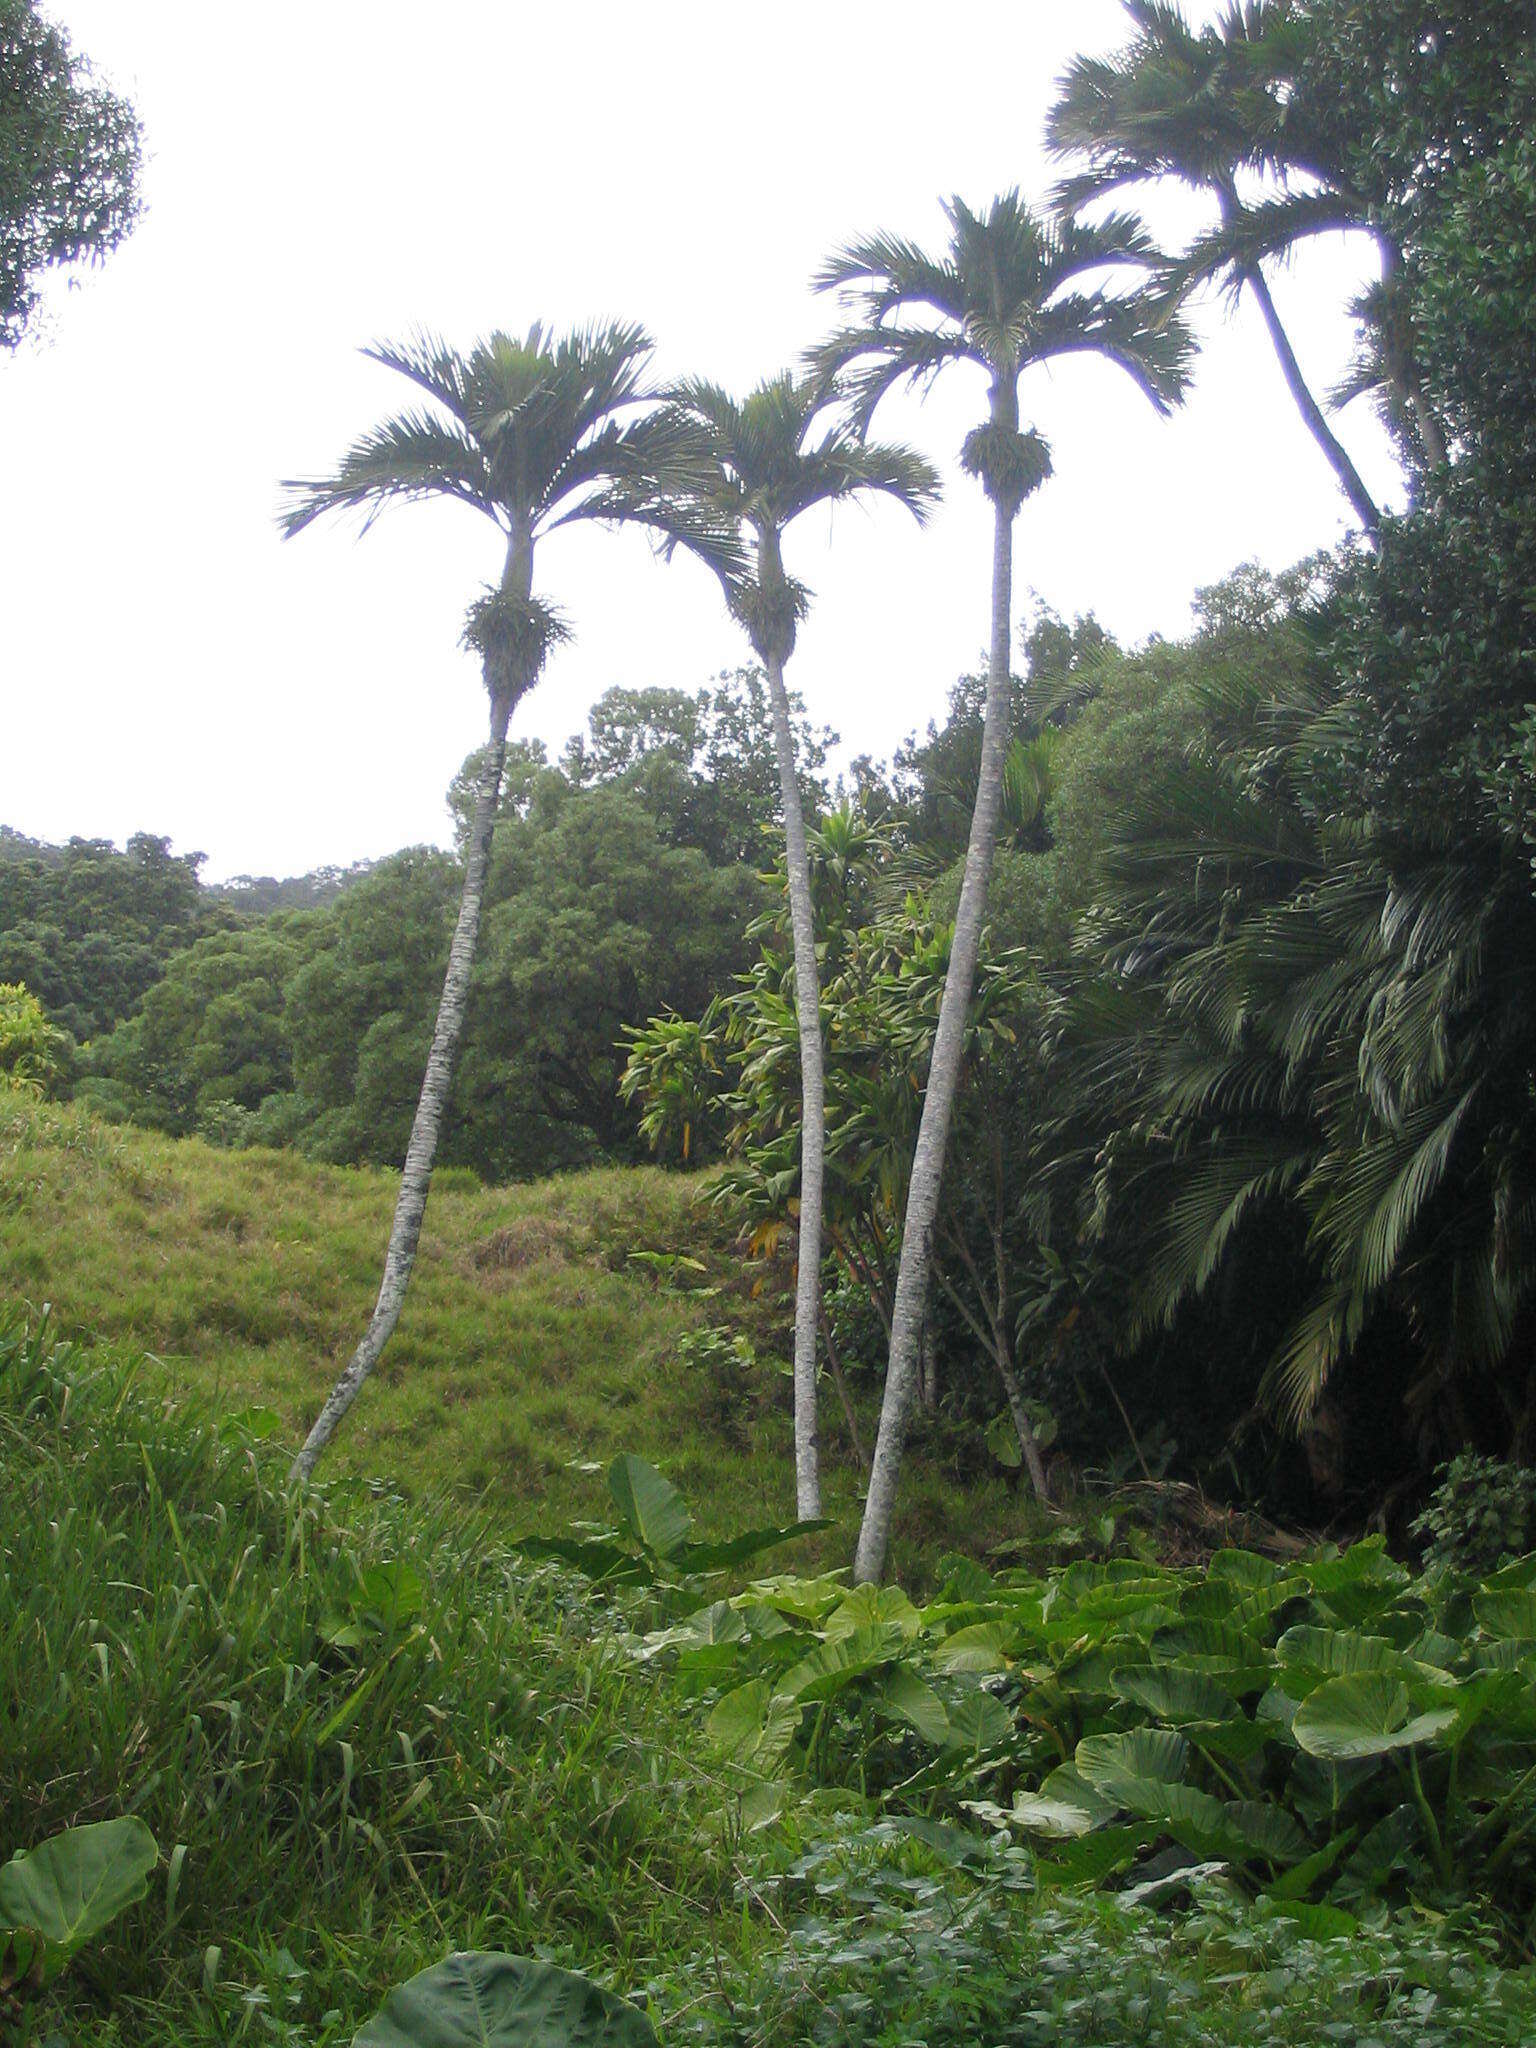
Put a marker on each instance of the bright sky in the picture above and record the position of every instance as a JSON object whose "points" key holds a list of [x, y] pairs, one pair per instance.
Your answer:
{"points": [[323, 174]]}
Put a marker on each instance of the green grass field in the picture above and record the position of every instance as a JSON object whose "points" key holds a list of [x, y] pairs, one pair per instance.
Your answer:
{"points": [[532, 1348]]}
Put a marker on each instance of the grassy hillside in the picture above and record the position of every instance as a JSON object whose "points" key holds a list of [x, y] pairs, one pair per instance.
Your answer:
{"points": [[532, 1346]]}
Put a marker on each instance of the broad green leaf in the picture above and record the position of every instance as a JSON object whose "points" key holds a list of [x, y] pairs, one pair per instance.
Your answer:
{"points": [[73, 1885], [711, 1626], [1268, 1829], [1175, 1695], [1245, 1568], [1296, 1882], [979, 1722], [1191, 1816], [1384, 1852], [868, 1607], [977, 1648], [1131, 1756], [485, 2000], [1337, 1652], [1050, 1817], [593, 1556], [252, 1424], [1002, 1440], [1366, 1714], [1317, 1923], [1091, 1858], [905, 1696], [833, 1666], [1067, 1785], [651, 1506], [1507, 1613], [753, 1726]]}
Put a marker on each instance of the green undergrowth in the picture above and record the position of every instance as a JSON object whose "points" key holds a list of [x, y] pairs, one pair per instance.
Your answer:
{"points": [[365, 1733], [361, 1731], [534, 1346]]}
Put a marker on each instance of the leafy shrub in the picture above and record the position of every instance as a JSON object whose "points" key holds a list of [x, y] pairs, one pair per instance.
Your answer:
{"points": [[32, 1052], [1480, 1515], [1333, 1732], [901, 1938]]}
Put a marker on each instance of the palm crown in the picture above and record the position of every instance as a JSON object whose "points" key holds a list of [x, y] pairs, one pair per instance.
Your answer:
{"points": [[768, 466], [535, 434], [1013, 289], [1205, 105]]}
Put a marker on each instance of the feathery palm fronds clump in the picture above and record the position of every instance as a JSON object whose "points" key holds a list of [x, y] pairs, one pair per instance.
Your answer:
{"points": [[1011, 291], [774, 456], [536, 434]]}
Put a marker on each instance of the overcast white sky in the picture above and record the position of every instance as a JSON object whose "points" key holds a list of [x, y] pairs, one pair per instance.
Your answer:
{"points": [[322, 172]]}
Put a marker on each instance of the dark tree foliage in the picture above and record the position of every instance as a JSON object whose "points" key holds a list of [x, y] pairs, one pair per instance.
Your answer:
{"points": [[69, 162], [620, 881], [89, 929]]}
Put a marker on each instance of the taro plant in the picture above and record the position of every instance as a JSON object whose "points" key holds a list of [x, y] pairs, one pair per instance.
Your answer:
{"points": [[483, 1999], [62, 1894], [653, 1544], [1330, 1732]]}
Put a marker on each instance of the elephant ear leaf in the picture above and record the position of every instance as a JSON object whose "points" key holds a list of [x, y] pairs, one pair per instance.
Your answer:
{"points": [[73, 1885], [1365, 1714], [482, 1999], [652, 1508]]}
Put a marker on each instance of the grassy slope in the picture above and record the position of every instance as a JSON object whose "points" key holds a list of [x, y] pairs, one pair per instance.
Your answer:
{"points": [[529, 1345]]}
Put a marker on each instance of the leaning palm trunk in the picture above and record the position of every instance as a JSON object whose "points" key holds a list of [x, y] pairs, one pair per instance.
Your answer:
{"points": [[813, 1103], [943, 1079], [1338, 457], [1350, 480], [421, 1152]]}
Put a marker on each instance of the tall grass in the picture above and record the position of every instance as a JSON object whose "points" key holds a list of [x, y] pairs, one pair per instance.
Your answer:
{"points": [[347, 1774], [532, 1349]]}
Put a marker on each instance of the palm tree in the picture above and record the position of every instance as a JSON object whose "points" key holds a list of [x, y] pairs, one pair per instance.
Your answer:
{"points": [[535, 434], [1204, 106], [1011, 291], [771, 465]]}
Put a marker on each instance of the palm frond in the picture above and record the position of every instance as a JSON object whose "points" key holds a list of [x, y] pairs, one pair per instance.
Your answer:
{"points": [[411, 456]]}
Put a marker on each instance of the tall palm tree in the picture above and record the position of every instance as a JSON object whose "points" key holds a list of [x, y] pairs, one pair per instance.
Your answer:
{"points": [[534, 433], [1205, 106], [772, 463], [1012, 290]]}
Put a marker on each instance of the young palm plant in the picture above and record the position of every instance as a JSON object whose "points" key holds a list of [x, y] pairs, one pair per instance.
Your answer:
{"points": [[772, 463], [536, 434], [1205, 106], [1012, 291]]}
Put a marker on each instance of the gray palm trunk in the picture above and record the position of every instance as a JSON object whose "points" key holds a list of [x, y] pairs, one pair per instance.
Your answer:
{"points": [[431, 1107], [907, 1316], [813, 1101], [1350, 480]]}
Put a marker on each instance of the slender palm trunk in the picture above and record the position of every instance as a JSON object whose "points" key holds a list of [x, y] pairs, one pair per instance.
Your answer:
{"points": [[426, 1129], [813, 1134], [943, 1080], [1350, 480]]}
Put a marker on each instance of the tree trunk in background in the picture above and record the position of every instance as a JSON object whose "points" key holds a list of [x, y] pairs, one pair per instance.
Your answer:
{"points": [[813, 1133], [1350, 480], [1333, 448], [421, 1153], [943, 1080]]}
